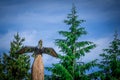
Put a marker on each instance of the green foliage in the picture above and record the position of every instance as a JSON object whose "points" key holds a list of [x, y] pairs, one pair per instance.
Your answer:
{"points": [[62, 71], [110, 63], [14, 66], [72, 49]]}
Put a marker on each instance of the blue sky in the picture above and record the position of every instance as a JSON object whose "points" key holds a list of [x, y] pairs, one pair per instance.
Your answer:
{"points": [[42, 19]]}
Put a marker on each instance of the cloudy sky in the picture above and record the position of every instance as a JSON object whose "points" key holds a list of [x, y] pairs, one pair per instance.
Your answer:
{"points": [[42, 19]]}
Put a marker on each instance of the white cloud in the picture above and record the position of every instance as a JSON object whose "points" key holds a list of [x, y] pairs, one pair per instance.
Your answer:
{"points": [[5, 40], [49, 60], [101, 43], [30, 37]]}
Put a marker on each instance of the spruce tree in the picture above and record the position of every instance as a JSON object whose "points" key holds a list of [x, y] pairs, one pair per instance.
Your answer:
{"points": [[110, 63], [73, 49], [14, 66]]}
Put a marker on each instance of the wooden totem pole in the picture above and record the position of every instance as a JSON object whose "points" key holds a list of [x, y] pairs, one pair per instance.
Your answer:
{"points": [[38, 66]]}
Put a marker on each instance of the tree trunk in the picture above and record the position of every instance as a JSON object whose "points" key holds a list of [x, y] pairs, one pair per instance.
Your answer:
{"points": [[38, 68]]}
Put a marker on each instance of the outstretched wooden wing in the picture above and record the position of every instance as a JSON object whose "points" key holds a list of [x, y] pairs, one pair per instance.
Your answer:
{"points": [[49, 51], [26, 49]]}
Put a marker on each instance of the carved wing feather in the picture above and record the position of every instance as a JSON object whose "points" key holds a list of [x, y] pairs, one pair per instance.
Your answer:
{"points": [[49, 51], [26, 49]]}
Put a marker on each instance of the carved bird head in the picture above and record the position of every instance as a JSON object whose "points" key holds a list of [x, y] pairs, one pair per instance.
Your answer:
{"points": [[40, 44]]}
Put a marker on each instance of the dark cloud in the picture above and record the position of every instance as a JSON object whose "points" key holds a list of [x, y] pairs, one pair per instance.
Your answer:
{"points": [[95, 12], [12, 2]]}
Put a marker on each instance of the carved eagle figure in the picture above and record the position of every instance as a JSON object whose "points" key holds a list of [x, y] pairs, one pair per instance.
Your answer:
{"points": [[38, 66], [38, 50]]}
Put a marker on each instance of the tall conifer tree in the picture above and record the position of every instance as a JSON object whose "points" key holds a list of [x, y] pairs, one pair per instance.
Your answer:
{"points": [[110, 63], [73, 49], [14, 66]]}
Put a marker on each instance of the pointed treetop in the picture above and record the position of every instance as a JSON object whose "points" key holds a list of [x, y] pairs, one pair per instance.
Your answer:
{"points": [[73, 9], [116, 34]]}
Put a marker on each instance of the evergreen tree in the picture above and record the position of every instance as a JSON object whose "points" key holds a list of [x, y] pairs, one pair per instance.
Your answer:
{"points": [[69, 68], [14, 66], [1, 67], [110, 63]]}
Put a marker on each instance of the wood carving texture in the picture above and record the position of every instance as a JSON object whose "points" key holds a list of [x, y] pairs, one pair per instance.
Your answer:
{"points": [[38, 68]]}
